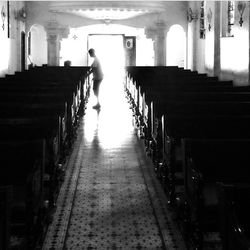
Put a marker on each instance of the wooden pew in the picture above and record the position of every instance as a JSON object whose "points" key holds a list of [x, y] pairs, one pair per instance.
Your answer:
{"points": [[27, 187], [30, 128], [5, 208], [234, 215], [175, 107], [72, 76], [206, 162]]}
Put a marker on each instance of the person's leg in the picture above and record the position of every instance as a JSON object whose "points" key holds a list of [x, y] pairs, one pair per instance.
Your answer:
{"points": [[96, 87]]}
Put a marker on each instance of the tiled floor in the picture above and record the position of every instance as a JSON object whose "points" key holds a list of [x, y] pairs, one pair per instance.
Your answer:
{"points": [[110, 198]]}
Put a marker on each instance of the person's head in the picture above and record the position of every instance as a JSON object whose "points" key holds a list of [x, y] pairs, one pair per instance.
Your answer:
{"points": [[67, 63], [92, 52]]}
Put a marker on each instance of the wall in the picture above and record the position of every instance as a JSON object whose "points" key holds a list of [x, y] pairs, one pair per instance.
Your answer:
{"points": [[225, 57], [10, 44], [171, 13], [5, 42], [235, 51], [209, 41]]}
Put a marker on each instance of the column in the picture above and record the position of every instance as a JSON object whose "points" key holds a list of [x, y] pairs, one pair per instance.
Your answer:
{"points": [[53, 50], [158, 35], [217, 27], [55, 33], [160, 44], [249, 46]]}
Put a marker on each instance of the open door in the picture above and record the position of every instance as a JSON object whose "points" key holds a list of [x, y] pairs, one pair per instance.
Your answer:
{"points": [[130, 50]]}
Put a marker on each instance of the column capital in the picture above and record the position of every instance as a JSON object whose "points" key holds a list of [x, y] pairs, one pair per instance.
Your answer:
{"points": [[54, 29], [159, 29], [55, 33], [158, 34], [150, 33]]}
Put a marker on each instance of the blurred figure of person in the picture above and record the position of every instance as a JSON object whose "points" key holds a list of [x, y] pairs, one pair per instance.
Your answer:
{"points": [[67, 63], [96, 70]]}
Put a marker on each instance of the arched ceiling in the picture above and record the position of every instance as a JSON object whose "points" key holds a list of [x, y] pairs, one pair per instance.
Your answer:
{"points": [[107, 10]]}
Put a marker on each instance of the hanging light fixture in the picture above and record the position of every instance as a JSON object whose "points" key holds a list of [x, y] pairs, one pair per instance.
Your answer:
{"points": [[191, 16], [20, 14], [241, 8], [209, 18]]}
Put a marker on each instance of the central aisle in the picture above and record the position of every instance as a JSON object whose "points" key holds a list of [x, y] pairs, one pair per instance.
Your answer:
{"points": [[110, 199]]}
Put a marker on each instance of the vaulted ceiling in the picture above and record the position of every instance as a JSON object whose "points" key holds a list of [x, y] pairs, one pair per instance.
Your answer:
{"points": [[138, 14], [107, 10]]}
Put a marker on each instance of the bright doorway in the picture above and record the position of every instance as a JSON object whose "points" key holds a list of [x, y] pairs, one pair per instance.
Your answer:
{"points": [[110, 51], [111, 124], [176, 46]]}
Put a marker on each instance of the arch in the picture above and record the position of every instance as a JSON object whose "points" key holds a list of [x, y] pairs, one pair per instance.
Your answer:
{"points": [[176, 46], [37, 45]]}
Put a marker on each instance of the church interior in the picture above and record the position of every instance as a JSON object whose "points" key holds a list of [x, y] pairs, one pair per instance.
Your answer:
{"points": [[163, 163]]}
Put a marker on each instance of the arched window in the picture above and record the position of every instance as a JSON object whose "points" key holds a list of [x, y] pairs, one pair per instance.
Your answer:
{"points": [[37, 45], [176, 46]]}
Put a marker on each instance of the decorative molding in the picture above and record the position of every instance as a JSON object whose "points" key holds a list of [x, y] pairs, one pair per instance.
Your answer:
{"points": [[54, 28], [191, 15], [158, 30]]}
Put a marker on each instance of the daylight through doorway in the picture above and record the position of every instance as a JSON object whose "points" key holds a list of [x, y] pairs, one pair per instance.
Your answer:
{"points": [[110, 51]]}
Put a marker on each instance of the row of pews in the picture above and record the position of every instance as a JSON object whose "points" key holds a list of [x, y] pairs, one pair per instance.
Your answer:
{"points": [[196, 130], [40, 111]]}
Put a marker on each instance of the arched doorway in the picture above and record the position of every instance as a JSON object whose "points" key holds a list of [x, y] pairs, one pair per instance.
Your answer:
{"points": [[176, 46], [37, 45]]}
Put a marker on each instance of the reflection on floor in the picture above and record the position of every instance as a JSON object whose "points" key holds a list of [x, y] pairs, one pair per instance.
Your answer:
{"points": [[110, 198]]}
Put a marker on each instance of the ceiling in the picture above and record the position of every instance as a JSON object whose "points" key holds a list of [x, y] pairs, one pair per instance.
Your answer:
{"points": [[107, 10], [107, 14]]}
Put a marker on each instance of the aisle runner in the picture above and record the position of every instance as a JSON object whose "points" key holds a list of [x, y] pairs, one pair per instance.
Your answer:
{"points": [[116, 199], [112, 209]]}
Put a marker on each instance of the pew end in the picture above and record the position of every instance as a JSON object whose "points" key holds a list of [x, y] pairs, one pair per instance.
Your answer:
{"points": [[234, 207]]}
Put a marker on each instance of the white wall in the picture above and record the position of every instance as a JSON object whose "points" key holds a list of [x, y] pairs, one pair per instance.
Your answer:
{"points": [[233, 54], [5, 46], [209, 42], [10, 58]]}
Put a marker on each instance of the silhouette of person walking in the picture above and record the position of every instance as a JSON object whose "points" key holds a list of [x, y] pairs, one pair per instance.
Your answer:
{"points": [[96, 70]]}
